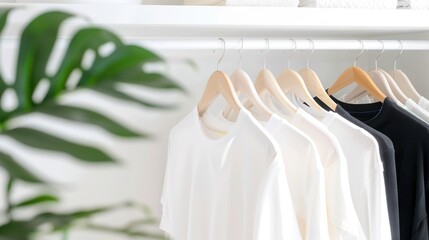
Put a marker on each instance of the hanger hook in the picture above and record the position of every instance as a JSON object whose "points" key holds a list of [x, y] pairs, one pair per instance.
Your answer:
{"points": [[400, 53], [266, 53], [241, 53], [223, 52], [379, 55], [361, 52], [312, 51], [293, 53]]}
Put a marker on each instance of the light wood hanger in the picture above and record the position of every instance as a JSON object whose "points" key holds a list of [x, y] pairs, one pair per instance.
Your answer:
{"points": [[314, 84], [397, 91], [359, 76], [219, 84], [384, 82], [403, 81], [290, 81], [380, 80], [266, 82], [243, 84]]}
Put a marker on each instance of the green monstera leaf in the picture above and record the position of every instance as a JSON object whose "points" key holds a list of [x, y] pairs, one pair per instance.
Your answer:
{"points": [[123, 64]]}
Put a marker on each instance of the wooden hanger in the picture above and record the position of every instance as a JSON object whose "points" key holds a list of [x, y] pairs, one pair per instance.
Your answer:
{"points": [[314, 84], [379, 80], [403, 81], [384, 82], [359, 76], [266, 82], [243, 84], [219, 84], [397, 91], [290, 81], [399, 97]]}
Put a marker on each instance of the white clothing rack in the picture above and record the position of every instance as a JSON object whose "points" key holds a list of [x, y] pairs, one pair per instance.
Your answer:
{"points": [[282, 44]]}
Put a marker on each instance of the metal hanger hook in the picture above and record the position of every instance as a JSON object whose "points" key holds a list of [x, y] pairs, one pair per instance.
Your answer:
{"points": [[400, 53], [360, 54], [241, 53], [379, 55], [223, 52], [266, 53], [312, 52], [293, 53]]}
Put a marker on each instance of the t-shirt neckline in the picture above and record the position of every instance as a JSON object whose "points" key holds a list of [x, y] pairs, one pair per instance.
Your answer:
{"points": [[273, 123], [382, 109], [219, 140]]}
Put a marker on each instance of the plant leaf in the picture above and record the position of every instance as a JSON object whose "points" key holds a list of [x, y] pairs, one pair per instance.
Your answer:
{"points": [[78, 114], [125, 231], [37, 41], [16, 170], [17, 230], [4, 14], [83, 40], [110, 90], [37, 200], [122, 59], [63, 220], [153, 80], [22, 230], [41, 140]]}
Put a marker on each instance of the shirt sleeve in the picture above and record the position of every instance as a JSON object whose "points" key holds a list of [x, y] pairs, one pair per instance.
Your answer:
{"points": [[378, 226], [165, 220], [275, 216]]}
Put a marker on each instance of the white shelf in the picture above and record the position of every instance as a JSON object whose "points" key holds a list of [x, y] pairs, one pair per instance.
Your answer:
{"points": [[197, 21]]}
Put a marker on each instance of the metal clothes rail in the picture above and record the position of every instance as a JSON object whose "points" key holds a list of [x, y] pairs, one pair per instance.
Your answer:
{"points": [[281, 44]]}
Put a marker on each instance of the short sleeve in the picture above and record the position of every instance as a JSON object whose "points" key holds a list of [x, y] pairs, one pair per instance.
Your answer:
{"points": [[165, 220], [378, 225]]}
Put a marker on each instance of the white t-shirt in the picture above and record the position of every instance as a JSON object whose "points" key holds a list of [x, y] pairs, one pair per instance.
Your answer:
{"points": [[304, 172], [342, 219], [365, 172], [230, 187], [424, 103], [417, 110]]}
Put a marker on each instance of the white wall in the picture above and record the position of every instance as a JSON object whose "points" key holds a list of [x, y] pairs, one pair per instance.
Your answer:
{"points": [[139, 177], [145, 2]]}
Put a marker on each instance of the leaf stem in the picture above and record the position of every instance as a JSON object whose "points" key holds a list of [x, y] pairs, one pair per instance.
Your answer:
{"points": [[65, 235], [125, 231], [9, 205]]}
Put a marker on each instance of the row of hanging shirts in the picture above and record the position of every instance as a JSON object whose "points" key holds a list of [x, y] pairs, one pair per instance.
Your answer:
{"points": [[282, 164]]}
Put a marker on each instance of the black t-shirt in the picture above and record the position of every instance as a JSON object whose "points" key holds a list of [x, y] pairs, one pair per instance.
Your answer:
{"points": [[387, 155], [410, 137]]}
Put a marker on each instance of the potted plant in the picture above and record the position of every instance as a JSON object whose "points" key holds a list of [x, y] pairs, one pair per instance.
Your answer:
{"points": [[123, 65]]}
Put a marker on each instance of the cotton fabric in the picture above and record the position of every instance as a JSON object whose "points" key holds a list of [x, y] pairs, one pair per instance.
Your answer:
{"points": [[230, 187]]}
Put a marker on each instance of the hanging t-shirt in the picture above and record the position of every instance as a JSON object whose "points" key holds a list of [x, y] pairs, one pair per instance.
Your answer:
{"points": [[424, 103], [365, 171], [410, 137], [230, 187], [304, 173], [387, 156], [342, 220], [415, 109]]}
